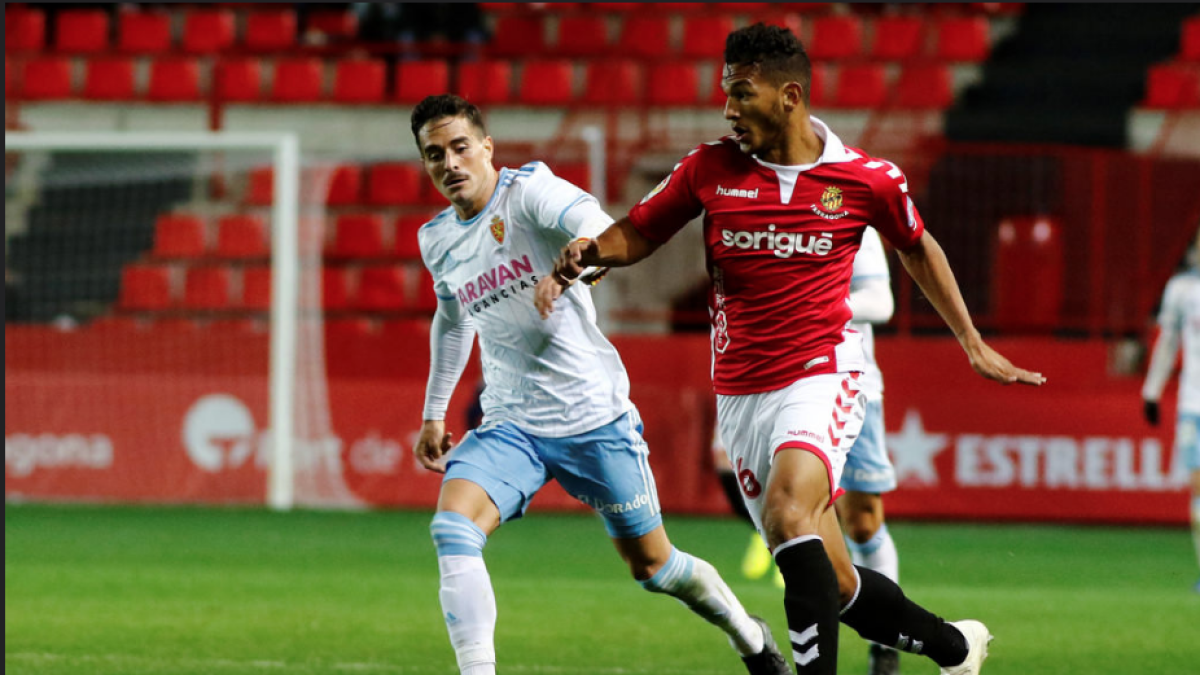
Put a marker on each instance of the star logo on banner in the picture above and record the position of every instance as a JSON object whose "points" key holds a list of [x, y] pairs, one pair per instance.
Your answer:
{"points": [[914, 449]]}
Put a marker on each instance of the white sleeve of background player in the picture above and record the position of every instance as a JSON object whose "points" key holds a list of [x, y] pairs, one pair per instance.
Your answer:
{"points": [[870, 282], [451, 335], [556, 204], [1170, 323]]}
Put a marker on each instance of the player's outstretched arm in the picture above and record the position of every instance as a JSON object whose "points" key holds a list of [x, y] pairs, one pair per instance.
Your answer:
{"points": [[432, 445], [618, 246], [927, 264]]}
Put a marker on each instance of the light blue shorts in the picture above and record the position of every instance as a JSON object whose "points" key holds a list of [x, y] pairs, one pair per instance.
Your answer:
{"points": [[868, 468], [1187, 439], [607, 469]]}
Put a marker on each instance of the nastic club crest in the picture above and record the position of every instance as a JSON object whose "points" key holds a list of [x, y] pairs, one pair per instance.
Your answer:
{"points": [[497, 229], [831, 199]]}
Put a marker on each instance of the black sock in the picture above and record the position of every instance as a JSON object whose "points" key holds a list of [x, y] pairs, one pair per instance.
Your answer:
{"points": [[733, 492], [810, 598], [881, 613]]}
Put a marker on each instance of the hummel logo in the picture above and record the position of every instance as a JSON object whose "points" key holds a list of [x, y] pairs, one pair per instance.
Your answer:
{"points": [[734, 192]]}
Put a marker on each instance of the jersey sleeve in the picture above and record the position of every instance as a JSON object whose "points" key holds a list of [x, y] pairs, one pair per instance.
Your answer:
{"points": [[1170, 315], [671, 204], [894, 215], [870, 261], [553, 203]]}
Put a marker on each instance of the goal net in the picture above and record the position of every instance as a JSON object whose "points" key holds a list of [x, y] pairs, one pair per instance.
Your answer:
{"points": [[164, 321]]}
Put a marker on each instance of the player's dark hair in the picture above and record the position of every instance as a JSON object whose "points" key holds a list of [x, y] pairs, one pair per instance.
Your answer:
{"points": [[778, 52], [445, 105]]}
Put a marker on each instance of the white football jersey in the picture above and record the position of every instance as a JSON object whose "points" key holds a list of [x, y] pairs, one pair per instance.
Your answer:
{"points": [[555, 377], [1180, 315], [869, 263]]}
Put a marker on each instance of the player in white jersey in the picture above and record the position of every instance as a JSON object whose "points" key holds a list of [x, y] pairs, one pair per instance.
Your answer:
{"points": [[556, 397], [1179, 324], [785, 204]]}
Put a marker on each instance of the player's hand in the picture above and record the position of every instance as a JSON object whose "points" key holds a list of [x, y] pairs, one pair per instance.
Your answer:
{"points": [[992, 365], [547, 291], [1150, 412], [432, 445]]}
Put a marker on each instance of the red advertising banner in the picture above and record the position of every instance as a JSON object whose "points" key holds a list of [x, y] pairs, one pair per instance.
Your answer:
{"points": [[91, 418]]}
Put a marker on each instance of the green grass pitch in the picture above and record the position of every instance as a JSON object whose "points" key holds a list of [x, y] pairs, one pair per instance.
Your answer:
{"points": [[124, 590]]}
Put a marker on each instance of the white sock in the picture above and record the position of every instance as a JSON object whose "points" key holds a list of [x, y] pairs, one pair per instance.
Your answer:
{"points": [[1196, 525], [697, 584], [878, 553], [469, 609]]}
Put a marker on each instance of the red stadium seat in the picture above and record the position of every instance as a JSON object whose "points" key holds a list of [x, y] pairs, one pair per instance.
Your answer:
{"points": [[260, 189], [704, 36], [47, 77], [81, 30], [144, 32], [270, 30], [417, 79], [393, 329], [381, 288], [109, 79], [861, 86], [1172, 86], [577, 174], [348, 327], [1027, 272], [337, 24], [836, 37], [207, 31], [116, 324], [242, 236], [207, 288], [645, 36], [335, 288], [672, 83], [783, 19], [358, 235], [256, 288], [238, 80], [962, 38], [297, 80], [145, 287], [740, 6], [24, 29], [609, 82], [345, 185], [174, 80], [406, 244], [546, 82], [925, 86], [179, 235], [818, 94], [518, 35], [485, 82], [582, 35], [1189, 43], [394, 184], [10, 80], [359, 81], [426, 300], [897, 38], [616, 7]]}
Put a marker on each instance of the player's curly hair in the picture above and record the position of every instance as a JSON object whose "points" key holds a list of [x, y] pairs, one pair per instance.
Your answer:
{"points": [[445, 105], [778, 52]]}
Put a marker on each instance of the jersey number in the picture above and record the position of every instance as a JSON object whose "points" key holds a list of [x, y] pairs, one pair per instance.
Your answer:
{"points": [[750, 485]]}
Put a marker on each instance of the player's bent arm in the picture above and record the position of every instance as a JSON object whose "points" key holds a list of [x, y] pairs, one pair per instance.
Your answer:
{"points": [[871, 300], [927, 264], [451, 335], [620, 245], [1162, 360]]}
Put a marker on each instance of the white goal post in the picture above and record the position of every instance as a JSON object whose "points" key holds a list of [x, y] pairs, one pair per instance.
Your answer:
{"points": [[285, 150]]}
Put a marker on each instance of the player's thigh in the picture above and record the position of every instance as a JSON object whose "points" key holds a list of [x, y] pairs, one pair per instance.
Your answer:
{"points": [[608, 469], [502, 461], [745, 424], [868, 468]]}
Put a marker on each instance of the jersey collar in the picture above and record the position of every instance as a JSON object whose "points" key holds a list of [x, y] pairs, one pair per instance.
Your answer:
{"points": [[835, 151]]}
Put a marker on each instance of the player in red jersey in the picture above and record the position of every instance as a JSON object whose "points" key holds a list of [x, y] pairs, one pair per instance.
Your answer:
{"points": [[785, 204]]}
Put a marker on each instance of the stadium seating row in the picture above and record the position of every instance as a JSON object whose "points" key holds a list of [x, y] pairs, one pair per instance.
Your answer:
{"points": [[552, 82], [641, 34], [169, 287], [385, 328], [380, 184], [244, 237]]}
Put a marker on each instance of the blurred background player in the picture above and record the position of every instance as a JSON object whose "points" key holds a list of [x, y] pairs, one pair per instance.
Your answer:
{"points": [[785, 204], [869, 471], [556, 397], [1179, 326]]}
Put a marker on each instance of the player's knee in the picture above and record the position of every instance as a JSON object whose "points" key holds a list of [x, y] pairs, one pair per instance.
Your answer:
{"points": [[786, 519], [456, 534], [861, 527]]}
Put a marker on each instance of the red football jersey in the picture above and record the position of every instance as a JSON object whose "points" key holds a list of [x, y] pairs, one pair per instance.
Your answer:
{"points": [[780, 262]]}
